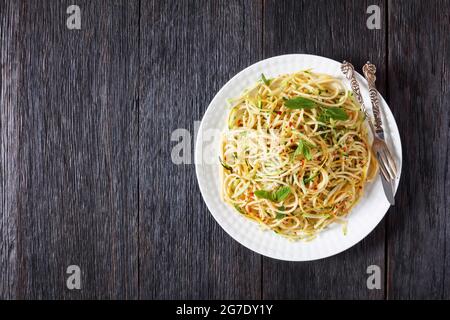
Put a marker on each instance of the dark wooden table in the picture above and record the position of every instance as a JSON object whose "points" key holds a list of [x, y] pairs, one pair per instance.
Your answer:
{"points": [[86, 118]]}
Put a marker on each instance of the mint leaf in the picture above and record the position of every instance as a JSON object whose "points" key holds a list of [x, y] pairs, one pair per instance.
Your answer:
{"points": [[337, 114], [299, 103], [279, 216], [282, 193], [333, 113], [263, 194], [304, 148], [299, 149], [324, 118], [275, 196], [307, 153]]}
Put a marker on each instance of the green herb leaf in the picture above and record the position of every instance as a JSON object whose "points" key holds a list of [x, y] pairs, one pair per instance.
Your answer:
{"points": [[299, 103], [333, 113], [324, 118], [282, 193], [307, 153], [225, 165], [276, 196], [279, 216], [265, 80], [299, 149], [304, 148], [259, 103], [337, 113], [263, 194]]}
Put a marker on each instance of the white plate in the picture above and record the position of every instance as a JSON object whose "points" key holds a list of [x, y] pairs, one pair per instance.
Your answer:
{"points": [[361, 221]]}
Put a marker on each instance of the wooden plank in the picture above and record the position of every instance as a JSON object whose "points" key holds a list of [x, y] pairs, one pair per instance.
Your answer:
{"points": [[334, 29], [77, 158], [188, 51], [9, 123], [419, 79]]}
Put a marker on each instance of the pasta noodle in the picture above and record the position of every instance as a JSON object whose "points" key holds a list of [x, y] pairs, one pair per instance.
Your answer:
{"points": [[296, 155]]}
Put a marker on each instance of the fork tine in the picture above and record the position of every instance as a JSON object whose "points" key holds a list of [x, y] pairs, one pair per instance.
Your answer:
{"points": [[391, 161], [383, 168], [386, 165]]}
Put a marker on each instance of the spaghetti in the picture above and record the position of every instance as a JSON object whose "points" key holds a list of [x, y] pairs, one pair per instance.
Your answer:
{"points": [[296, 155]]}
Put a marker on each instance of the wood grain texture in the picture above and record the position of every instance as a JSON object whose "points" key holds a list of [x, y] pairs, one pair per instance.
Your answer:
{"points": [[86, 118], [419, 80], [77, 150], [335, 29], [9, 123], [189, 49]]}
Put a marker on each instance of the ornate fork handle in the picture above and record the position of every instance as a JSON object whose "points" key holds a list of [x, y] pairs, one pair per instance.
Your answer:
{"points": [[349, 71], [369, 71]]}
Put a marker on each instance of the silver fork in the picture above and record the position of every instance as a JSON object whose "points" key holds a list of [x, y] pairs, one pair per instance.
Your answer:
{"points": [[387, 163], [379, 147]]}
